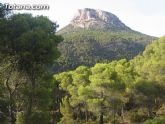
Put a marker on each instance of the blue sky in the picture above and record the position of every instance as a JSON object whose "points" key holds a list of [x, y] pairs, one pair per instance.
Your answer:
{"points": [[146, 16]]}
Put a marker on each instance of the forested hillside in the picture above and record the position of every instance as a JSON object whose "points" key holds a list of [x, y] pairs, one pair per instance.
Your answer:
{"points": [[119, 92], [97, 36], [88, 47]]}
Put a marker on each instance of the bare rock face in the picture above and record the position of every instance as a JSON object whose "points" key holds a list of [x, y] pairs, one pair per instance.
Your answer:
{"points": [[97, 19]]}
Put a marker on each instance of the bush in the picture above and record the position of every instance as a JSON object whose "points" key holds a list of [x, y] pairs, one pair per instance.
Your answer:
{"points": [[115, 122], [157, 120], [20, 118], [39, 117], [65, 120], [138, 116]]}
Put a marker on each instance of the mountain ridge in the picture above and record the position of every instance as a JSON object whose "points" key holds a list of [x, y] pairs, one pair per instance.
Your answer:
{"points": [[91, 19], [103, 39]]}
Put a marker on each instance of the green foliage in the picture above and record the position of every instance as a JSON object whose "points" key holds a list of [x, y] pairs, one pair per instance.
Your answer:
{"points": [[31, 40], [157, 120], [67, 112], [139, 115], [107, 93], [20, 118], [151, 64], [161, 110], [28, 48], [104, 93], [88, 47], [97, 89], [39, 117]]}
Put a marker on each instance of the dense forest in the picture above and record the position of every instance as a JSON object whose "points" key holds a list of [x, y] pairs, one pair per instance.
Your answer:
{"points": [[91, 46], [119, 92], [129, 90], [28, 48]]}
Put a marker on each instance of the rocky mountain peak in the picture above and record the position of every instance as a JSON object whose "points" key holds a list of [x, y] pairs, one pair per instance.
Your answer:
{"points": [[90, 18]]}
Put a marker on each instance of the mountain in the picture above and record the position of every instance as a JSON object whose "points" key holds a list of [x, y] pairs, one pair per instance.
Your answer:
{"points": [[94, 36], [96, 19]]}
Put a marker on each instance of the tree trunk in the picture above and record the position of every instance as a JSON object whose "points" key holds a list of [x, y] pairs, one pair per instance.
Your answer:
{"points": [[114, 118], [122, 113], [101, 121], [114, 113], [101, 114], [31, 99], [10, 107], [149, 112], [86, 113]]}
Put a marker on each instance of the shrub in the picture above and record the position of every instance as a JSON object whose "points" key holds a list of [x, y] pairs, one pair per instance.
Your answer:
{"points": [[20, 118], [157, 120], [39, 117]]}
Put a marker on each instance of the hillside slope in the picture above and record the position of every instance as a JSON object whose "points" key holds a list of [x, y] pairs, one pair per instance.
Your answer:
{"points": [[97, 36]]}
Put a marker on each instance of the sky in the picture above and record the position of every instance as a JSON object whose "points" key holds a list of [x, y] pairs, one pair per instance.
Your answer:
{"points": [[146, 16]]}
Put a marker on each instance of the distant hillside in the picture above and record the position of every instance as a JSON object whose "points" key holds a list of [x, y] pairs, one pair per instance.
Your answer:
{"points": [[97, 36]]}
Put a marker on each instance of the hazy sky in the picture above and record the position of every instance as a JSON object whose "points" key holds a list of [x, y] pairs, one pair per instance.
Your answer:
{"points": [[146, 16]]}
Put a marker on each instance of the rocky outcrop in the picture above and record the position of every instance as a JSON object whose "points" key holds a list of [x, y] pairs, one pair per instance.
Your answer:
{"points": [[97, 19], [96, 36]]}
